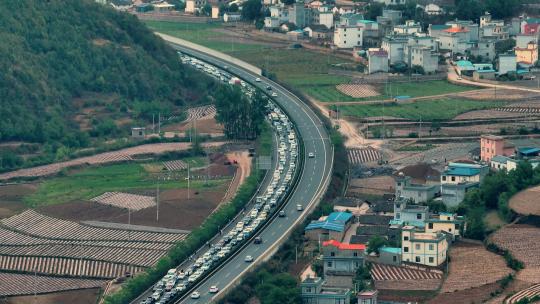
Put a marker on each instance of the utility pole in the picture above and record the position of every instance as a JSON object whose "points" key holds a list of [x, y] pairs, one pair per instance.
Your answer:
{"points": [[159, 123], [188, 180], [157, 201], [153, 126]]}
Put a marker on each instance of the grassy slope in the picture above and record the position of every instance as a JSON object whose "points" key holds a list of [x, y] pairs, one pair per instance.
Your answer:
{"points": [[437, 109], [92, 182]]}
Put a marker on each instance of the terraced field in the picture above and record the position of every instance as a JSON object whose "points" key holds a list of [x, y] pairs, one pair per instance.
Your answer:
{"points": [[405, 278], [24, 284], [32, 242]]}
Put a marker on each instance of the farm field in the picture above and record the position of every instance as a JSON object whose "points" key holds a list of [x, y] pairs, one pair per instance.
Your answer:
{"points": [[522, 242], [104, 158], [526, 202], [473, 266], [436, 109], [80, 296], [91, 182], [405, 278], [26, 284], [412, 89]]}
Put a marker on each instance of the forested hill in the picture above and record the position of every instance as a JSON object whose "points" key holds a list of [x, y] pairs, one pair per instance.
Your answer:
{"points": [[55, 52]]}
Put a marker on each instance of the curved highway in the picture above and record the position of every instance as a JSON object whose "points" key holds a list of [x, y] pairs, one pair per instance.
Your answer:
{"points": [[311, 185]]}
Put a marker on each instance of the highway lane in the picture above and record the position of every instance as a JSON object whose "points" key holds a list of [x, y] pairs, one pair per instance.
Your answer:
{"points": [[311, 186]]}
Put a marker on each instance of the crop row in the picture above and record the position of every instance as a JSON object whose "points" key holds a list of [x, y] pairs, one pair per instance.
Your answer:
{"points": [[521, 241], [36, 224], [140, 257], [23, 284], [66, 266], [13, 238]]}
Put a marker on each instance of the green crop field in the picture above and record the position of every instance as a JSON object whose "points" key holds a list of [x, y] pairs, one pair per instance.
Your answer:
{"points": [[91, 182], [427, 110]]}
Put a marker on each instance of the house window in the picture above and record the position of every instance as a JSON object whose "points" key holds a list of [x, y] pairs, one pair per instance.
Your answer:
{"points": [[394, 258], [457, 226], [431, 260], [453, 178], [448, 218], [329, 264], [399, 184], [444, 178], [419, 216], [417, 246], [332, 253], [308, 289], [398, 205], [405, 249], [430, 225], [398, 215], [431, 247], [417, 259], [405, 238], [355, 254]]}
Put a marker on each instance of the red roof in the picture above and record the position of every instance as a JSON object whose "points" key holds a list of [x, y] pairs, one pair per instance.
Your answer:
{"points": [[344, 246], [456, 30], [532, 28]]}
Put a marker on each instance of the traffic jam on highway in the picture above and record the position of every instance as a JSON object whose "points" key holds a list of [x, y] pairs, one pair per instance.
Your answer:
{"points": [[178, 281]]}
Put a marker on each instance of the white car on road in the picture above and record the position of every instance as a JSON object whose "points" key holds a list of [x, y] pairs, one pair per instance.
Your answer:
{"points": [[213, 289], [195, 295]]}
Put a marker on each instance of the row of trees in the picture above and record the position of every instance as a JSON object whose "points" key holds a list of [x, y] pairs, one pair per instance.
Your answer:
{"points": [[242, 117], [494, 194]]}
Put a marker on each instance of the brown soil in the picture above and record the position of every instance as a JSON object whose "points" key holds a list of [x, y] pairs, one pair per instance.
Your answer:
{"points": [[378, 185], [468, 296], [175, 210], [421, 173], [11, 198], [84, 296], [526, 202], [204, 126]]}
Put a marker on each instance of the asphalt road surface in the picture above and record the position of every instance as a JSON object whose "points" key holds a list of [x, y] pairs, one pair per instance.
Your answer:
{"points": [[311, 185]]}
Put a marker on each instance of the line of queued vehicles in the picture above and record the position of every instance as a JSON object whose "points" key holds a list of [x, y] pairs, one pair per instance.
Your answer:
{"points": [[176, 281]]}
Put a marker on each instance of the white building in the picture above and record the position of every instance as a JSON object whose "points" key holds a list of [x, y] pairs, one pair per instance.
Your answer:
{"points": [[423, 56], [377, 61], [271, 23], [507, 63], [433, 9], [423, 248], [391, 2], [194, 5], [347, 37], [409, 28], [279, 12], [324, 18], [395, 47], [232, 17], [523, 39]]}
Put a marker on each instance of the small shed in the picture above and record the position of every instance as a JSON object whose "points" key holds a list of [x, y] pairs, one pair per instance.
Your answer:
{"points": [[138, 132]]}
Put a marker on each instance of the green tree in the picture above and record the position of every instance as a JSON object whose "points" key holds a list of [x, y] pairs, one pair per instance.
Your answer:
{"points": [[375, 243], [503, 9], [374, 9], [469, 9], [252, 10]]}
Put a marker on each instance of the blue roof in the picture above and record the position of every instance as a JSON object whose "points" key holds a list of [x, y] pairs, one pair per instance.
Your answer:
{"points": [[339, 216], [463, 63], [499, 159], [393, 250], [446, 213], [528, 150], [334, 221], [440, 26], [460, 171]]}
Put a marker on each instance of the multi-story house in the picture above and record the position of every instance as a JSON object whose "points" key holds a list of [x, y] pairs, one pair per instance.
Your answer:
{"points": [[447, 222], [347, 37], [331, 227], [406, 213], [423, 56], [493, 28], [395, 47], [506, 64], [415, 193], [459, 173], [377, 61], [491, 145], [528, 55], [314, 291], [425, 248], [409, 28], [342, 257]]}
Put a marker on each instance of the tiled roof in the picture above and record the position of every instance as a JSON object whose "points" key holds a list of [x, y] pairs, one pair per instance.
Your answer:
{"points": [[335, 221], [344, 246], [460, 171], [456, 30]]}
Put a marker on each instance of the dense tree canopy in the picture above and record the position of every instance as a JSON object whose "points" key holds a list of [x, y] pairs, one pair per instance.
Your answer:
{"points": [[53, 52], [252, 10]]}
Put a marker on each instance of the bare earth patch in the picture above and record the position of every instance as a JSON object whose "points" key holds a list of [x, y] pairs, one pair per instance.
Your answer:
{"points": [[358, 90], [472, 265], [526, 202]]}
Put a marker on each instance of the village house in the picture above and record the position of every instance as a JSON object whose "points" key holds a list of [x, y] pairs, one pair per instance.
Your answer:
{"points": [[447, 222], [232, 17], [491, 145], [506, 64], [330, 227], [314, 291], [409, 214], [493, 28], [347, 37], [368, 297], [425, 248], [433, 9], [395, 47], [528, 55], [377, 61], [391, 2], [423, 56], [318, 32], [453, 194], [409, 28], [193, 6], [415, 193], [389, 256], [459, 173], [342, 257]]}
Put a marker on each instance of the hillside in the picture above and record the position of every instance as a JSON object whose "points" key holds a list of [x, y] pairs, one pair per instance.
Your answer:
{"points": [[77, 70]]}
